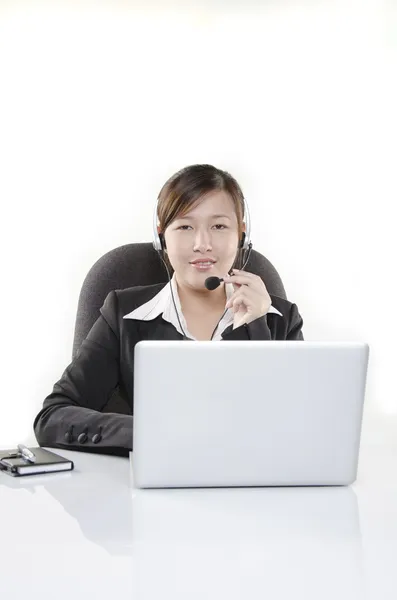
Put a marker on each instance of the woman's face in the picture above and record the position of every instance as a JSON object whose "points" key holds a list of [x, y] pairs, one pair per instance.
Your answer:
{"points": [[203, 242]]}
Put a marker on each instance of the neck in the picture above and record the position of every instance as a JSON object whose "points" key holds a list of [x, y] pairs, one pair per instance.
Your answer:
{"points": [[201, 299]]}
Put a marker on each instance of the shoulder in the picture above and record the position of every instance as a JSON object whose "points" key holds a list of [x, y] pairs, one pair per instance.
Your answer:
{"points": [[130, 298], [289, 326], [282, 305], [120, 302]]}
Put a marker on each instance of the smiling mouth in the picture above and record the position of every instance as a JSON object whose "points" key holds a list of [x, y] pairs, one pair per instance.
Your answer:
{"points": [[203, 265]]}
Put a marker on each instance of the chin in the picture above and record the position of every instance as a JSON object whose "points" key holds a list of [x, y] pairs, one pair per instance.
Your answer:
{"points": [[196, 280]]}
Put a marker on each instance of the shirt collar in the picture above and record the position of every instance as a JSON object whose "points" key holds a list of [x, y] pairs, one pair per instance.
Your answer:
{"points": [[162, 304]]}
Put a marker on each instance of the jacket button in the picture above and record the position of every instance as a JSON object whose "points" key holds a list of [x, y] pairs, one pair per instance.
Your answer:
{"points": [[83, 436], [97, 437], [69, 435]]}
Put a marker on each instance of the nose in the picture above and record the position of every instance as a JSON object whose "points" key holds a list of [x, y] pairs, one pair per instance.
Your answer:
{"points": [[202, 241]]}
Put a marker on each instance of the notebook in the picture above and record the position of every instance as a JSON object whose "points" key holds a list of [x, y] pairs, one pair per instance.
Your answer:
{"points": [[46, 462]]}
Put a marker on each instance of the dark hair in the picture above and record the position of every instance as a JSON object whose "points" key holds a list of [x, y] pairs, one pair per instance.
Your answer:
{"points": [[189, 185]]}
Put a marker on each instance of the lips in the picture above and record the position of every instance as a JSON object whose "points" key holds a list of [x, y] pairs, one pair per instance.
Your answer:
{"points": [[202, 260], [202, 265]]}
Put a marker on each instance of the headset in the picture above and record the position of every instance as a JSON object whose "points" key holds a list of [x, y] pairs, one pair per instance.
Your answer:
{"points": [[245, 245], [245, 242]]}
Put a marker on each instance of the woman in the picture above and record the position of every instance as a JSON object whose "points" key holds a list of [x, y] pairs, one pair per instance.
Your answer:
{"points": [[201, 232]]}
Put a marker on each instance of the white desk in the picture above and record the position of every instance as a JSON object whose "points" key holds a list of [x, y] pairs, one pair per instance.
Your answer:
{"points": [[90, 534]]}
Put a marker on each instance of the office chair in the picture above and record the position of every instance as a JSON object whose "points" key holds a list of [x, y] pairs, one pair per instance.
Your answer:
{"points": [[138, 264]]}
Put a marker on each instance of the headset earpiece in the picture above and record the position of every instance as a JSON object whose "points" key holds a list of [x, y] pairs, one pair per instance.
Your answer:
{"points": [[162, 242], [159, 242]]}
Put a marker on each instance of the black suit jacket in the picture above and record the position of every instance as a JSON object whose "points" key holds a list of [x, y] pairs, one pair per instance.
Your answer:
{"points": [[105, 361]]}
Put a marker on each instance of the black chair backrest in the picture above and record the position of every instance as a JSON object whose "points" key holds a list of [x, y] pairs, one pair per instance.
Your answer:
{"points": [[138, 264]]}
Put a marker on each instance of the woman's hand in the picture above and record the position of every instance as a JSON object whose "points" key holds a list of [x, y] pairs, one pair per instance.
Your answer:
{"points": [[250, 299]]}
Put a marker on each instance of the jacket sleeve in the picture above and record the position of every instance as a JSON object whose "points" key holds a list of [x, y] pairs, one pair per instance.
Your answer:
{"points": [[83, 390], [295, 324], [259, 329]]}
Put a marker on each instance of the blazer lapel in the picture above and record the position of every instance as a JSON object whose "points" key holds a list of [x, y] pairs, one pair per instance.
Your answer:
{"points": [[158, 329]]}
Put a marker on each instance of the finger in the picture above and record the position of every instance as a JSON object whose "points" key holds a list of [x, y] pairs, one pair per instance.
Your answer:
{"points": [[241, 316], [242, 292], [239, 304], [245, 273], [238, 321], [236, 286], [249, 279]]}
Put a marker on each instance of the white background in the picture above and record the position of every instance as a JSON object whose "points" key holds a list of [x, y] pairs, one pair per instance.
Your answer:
{"points": [[100, 102]]}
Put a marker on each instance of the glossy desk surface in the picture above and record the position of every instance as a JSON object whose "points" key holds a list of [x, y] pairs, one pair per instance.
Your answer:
{"points": [[90, 533]]}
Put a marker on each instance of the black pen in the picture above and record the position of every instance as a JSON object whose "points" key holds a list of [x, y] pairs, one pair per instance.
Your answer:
{"points": [[26, 453]]}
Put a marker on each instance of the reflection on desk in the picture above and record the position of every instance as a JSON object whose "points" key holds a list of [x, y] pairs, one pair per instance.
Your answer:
{"points": [[94, 531], [96, 493], [282, 540]]}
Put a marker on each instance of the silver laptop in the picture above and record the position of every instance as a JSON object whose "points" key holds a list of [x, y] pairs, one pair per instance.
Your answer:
{"points": [[247, 413]]}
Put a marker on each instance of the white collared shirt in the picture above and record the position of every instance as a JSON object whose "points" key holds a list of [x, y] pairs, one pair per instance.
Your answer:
{"points": [[162, 304]]}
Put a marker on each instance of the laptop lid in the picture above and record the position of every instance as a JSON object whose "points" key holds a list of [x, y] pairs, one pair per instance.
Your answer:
{"points": [[247, 413]]}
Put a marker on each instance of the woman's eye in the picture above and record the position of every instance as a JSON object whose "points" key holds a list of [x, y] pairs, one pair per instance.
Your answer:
{"points": [[220, 226]]}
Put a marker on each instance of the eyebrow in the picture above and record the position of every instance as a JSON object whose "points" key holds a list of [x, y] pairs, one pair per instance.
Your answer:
{"points": [[212, 217]]}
